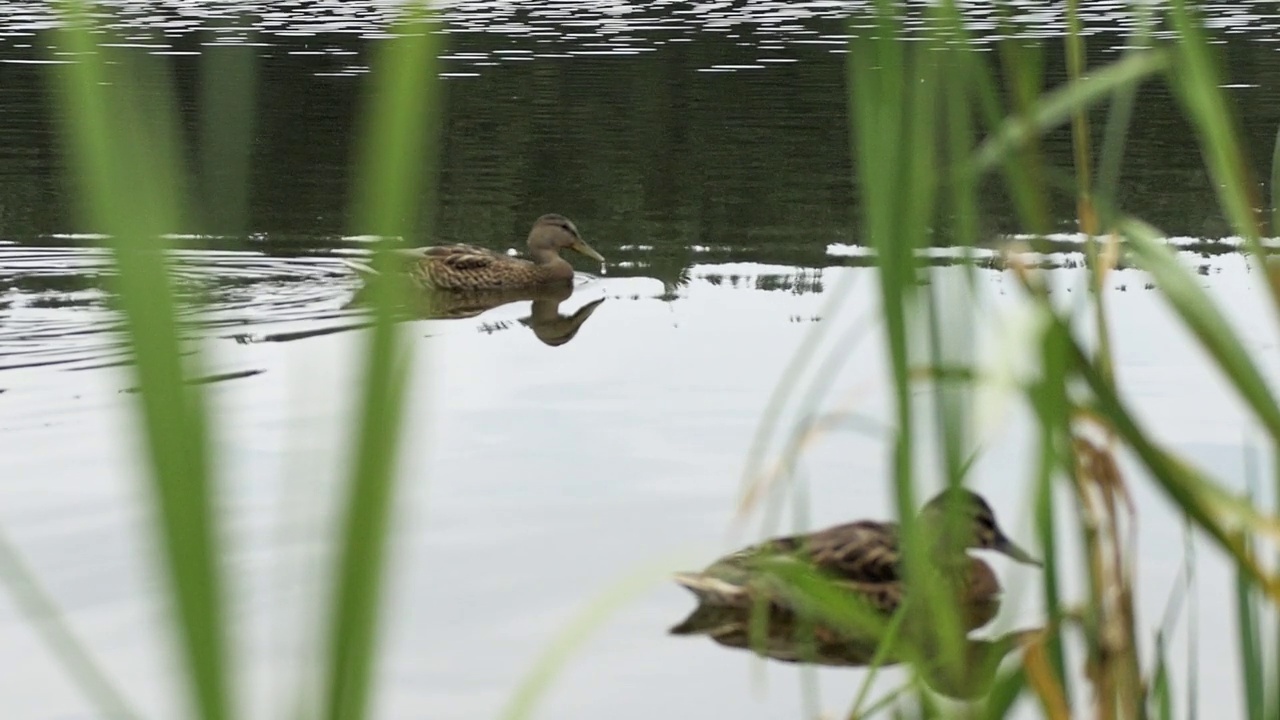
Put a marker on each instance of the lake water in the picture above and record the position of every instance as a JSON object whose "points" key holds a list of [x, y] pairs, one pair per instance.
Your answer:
{"points": [[702, 148]]}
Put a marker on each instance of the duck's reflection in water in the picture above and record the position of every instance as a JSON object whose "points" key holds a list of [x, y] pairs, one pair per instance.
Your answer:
{"points": [[553, 328], [780, 634], [548, 323]]}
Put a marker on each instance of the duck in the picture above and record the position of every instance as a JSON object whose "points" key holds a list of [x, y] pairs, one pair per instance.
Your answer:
{"points": [[864, 560], [469, 268]]}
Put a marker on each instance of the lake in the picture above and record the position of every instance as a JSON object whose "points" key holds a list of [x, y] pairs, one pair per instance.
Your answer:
{"points": [[556, 450]]}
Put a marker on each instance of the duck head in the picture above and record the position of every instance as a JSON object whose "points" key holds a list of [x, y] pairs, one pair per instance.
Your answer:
{"points": [[965, 512], [552, 233]]}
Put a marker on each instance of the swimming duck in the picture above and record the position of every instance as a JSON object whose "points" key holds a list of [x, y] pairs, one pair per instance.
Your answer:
{"points": [[470, 268], [864, 559]]}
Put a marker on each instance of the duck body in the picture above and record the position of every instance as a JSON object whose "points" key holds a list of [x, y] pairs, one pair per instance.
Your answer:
{"points": [[864, 560], [469, 268]]}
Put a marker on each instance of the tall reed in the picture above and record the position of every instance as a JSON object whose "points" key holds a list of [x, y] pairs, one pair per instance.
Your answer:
{"points": [[126, 145]]}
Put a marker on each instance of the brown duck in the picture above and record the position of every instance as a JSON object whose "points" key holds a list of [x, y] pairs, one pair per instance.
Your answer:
{"points": [[864, 559], [470, 268]]}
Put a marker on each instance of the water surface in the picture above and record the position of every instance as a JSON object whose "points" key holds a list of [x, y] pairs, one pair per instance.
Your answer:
{"points": [[703, 148]]}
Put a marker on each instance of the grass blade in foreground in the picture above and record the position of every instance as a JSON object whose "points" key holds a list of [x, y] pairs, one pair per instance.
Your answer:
{"points": [[1199, 86], [30, 597], [123, 152], [524, 699], [399, 150], [228, 85], [1057, 107], [1201, 316]]}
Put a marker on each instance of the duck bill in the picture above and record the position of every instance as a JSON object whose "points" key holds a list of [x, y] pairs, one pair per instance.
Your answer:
{"points": [[587, 250], [1006, 546]]}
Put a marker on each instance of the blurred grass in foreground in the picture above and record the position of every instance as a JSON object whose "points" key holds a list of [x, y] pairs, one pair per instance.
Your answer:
{"points": [[125, 147], [929, 121]]}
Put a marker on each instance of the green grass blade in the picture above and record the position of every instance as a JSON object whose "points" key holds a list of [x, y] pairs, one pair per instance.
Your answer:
{"points": [[1161, 692], [1024, 169], [1080, 134], [960, 139], [228, 85], [1198, 84], [122, 145], [395, 169], [881, 705], [1249, 618], [877, 661], [755, 476], [1057, 107], [524, 699], [1275, 184], [800, 586], [1274, 686], [1005, 692], [1206, 322], [1048, 397], [85, 672], [887, 179], [1222, 516], [1251, 661]]}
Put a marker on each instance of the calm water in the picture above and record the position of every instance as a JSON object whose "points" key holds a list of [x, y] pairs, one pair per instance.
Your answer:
{"points": [[554, 450]]}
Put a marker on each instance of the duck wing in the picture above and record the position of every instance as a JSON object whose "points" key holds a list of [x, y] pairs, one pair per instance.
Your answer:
{"points": [[862, 552], [865, 552], [462, 257], [862, 556]]}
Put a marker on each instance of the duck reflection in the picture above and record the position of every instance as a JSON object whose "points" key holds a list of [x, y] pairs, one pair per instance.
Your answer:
{"points": [[548, 323], [786, 636], [743, 601]]}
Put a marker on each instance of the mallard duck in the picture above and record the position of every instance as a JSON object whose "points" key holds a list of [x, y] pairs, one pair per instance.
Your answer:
{"points": [[471, 268], [863, 558]]}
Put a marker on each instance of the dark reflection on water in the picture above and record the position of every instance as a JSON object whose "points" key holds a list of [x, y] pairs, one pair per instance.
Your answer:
{"points": [[549, 324], [775, 629], [669, 126], [786, 639], [784, 634]]}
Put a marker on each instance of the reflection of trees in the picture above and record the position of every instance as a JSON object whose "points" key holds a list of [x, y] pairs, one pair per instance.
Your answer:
{"points": [[640, 149]]}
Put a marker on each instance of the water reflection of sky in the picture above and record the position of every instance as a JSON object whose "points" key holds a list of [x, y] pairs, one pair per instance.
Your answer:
{"points": [[534, 476]]}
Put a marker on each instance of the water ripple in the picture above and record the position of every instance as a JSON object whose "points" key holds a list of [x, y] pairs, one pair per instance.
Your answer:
{"points": [[55, 302], [573, 27]]}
